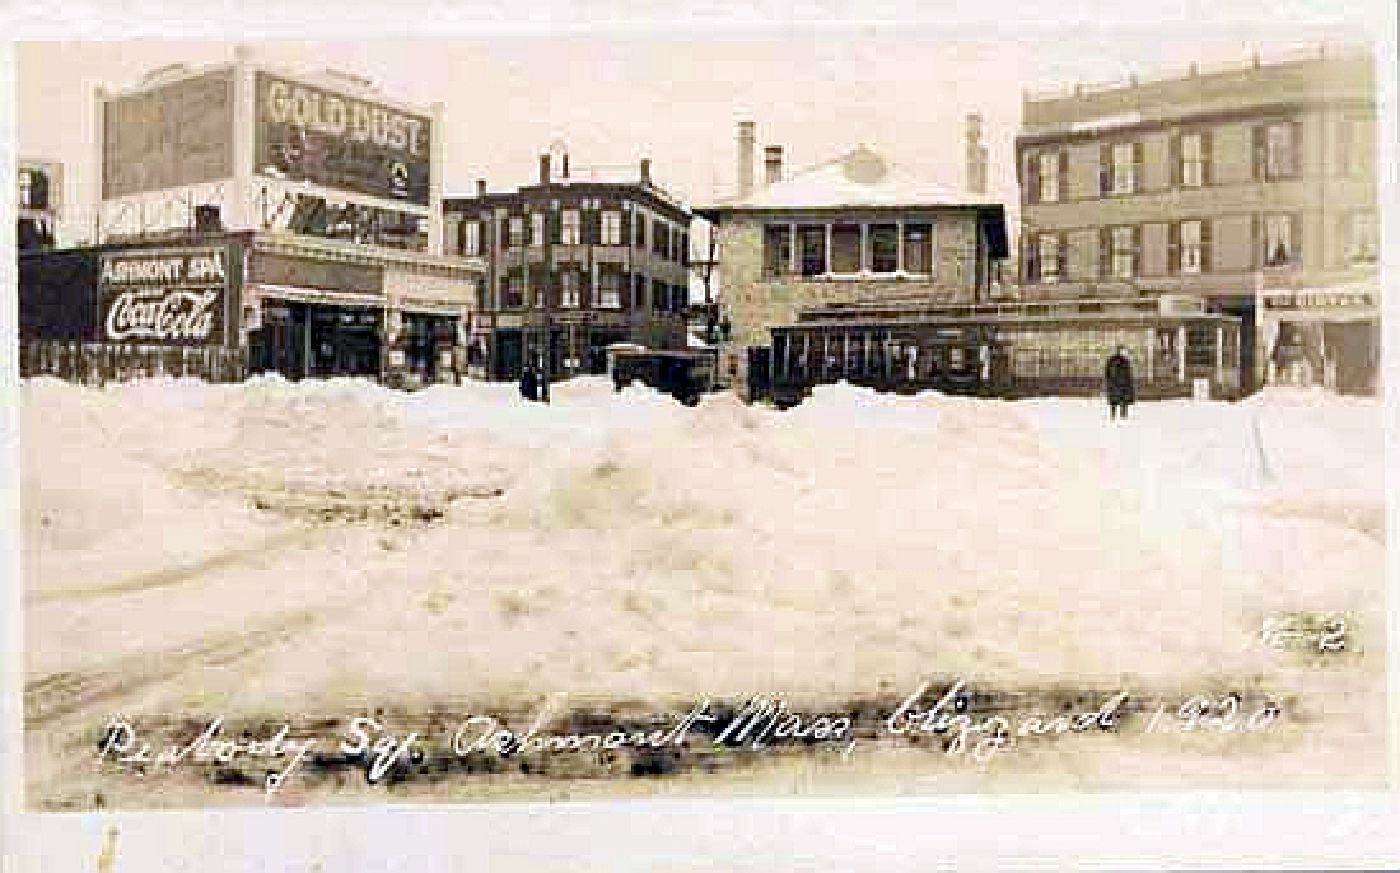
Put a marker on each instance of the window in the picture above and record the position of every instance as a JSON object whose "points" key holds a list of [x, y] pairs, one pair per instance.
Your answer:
{"points": [[777, 249], [1354, 147], [612, 228], [471, 239], [572, 233], [884, 248], [1048, 246], [1363, 238], [513, 292], [517, 231], [918, 249], [811, 241], [659, 238], [26, 190], [1193, 160], [609, 290], [845, 248], [568, 289], [1279, 249], [659, 298], [639, 231], [1124, 250], [1123, 170], [537, 228], [1279, 151], [1191, 247], [1049, 166]]}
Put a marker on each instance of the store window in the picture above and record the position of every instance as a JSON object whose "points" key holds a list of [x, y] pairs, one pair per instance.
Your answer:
{"points": [[572, 228], [537, 228], [1279, 244], [845, 248], [612, 228], [918, 249], [777, 249], [811, 240], [884, 248]]}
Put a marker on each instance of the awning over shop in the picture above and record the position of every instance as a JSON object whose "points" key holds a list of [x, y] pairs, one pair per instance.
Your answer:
{"points": [[314, 295]]}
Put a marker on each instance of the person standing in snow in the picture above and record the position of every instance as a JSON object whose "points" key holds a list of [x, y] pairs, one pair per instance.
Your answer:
{"points": [[1118, 383], [529, 385]]}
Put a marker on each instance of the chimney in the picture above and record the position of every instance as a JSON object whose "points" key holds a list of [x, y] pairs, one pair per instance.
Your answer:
{"points": [[480, 188], [646, 171], [976, 155], [745, 165], [544, 168], [772, 164]]}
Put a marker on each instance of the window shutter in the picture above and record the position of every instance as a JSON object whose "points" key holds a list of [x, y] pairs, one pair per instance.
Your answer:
{"points": [[1105, 252], [1032, 178], [1137, 250], [554, 226], [1256, 241], [1205, 244], [1032, 266], [1173, 248], [1295, 239], [1062, 187], [1207, 158], [1105, 163], [1062, 252], [1137, 168], [1257, 148], [1174, 158]]}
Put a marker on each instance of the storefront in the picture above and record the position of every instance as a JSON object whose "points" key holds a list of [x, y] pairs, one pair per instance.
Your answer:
{"points": [[1008, 350], [1321, 338], [303, 333]]}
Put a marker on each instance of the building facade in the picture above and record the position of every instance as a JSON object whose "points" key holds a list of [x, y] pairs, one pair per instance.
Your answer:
{"points": [[586, 257], [38, 198], [853, 229], [1252, 188], [329, 192]]}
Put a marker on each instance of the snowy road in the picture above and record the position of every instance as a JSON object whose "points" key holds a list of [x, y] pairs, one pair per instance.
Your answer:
{"points": [[322, 547]]}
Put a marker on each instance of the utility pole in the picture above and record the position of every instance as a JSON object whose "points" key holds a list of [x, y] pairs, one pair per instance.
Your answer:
{"points": [[548, 277]]}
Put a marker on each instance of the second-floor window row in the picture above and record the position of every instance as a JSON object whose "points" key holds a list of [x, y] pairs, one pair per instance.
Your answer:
{"points": [[848, 249]]}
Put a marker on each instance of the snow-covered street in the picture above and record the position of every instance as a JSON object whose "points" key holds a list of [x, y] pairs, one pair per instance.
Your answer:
{"points": [[273, 547]]}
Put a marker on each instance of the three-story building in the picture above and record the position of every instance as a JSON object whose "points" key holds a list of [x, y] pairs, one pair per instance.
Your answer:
{"points": [[587, 257], [1251, 187]]}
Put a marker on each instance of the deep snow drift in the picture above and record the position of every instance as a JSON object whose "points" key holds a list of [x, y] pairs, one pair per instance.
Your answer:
{"points": [[459, 542]]}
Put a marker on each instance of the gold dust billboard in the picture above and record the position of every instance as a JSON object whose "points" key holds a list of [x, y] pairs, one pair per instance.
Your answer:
{"points": [[312, 134]]}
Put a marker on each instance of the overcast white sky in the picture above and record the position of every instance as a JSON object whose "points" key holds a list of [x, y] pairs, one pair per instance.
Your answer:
{"points": [[616, 90]]}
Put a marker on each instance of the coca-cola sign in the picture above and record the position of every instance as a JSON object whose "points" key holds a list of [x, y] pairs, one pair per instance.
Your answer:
{"points": [[165, 297]]}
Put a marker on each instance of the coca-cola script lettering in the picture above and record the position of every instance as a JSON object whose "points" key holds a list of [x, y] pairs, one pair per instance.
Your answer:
{"points": [[170, 296], [162, 315]]}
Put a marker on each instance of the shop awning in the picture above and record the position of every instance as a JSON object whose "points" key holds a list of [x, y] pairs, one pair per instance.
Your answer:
{"points": [[314, 295]]}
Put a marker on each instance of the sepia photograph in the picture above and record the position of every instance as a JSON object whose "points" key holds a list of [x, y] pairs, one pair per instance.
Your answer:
{"points": [[576, 417]]}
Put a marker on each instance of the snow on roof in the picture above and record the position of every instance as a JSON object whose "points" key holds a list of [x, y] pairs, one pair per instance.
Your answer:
{"points": [[859, 178]]}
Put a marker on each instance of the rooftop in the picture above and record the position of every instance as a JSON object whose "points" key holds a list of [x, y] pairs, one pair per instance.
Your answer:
{"points": [[861, 178]]}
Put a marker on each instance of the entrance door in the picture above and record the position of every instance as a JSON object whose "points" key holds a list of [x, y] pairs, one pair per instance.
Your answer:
{"points": [[1243, 309], [279, 346]]}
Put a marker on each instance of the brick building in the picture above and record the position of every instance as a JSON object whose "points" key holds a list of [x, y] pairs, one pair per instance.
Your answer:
{"points": [[595, 255], [852, 229], [1251, 187]]}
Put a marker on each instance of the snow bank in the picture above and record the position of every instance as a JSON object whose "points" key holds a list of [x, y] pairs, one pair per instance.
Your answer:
{"points": [[639, 547]]}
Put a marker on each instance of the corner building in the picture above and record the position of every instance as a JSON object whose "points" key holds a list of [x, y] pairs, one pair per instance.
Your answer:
{"points": [[1252, 188]]}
